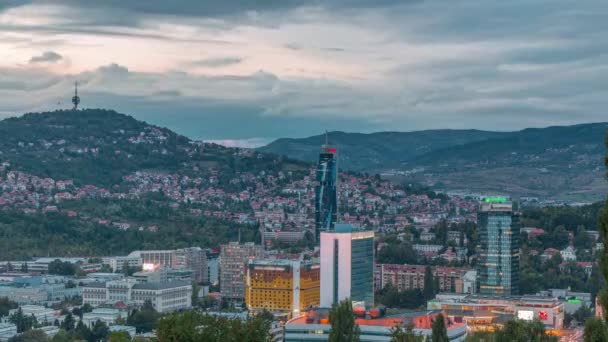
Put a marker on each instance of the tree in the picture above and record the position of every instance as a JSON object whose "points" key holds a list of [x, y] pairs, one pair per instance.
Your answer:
{"points": [[99, 331], [195, 290], [6, 305], [59, 267], [144, 320], [192, 326], [68, 323], [82, 332], [30, 336], [24, 267], [515, 331], [595, 329], [399, 334], [61, 336], [440, 331], [119, 336], [429, 285], [343, 326], [23, 322]]}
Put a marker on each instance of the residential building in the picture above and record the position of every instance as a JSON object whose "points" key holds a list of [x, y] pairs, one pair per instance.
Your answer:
{"points": [[282, 285], [165, 297], [425, 249], [233, 258], [568, 254], [498, 264], [408, 277], [193, 258], [118, 263], [347, 266], [326, 191]]}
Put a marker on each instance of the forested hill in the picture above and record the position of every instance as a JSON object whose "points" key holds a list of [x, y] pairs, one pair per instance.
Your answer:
{"points": [[100, 147], [96, 182], [554, 162]]}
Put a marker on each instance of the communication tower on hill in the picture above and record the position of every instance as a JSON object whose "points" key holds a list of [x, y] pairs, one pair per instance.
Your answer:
{"points": [[75, 98]]}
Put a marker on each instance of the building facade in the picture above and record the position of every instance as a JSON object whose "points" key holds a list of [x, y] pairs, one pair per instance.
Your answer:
{"points": [[233, 258], [165, 297], [282, 285], [498, 264], [408, 277], [192, 258], [314, 326], [326, 191], [347, 266], [488, 313]]}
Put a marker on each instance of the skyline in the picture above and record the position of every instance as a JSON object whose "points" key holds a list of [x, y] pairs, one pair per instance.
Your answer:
{"points": [[295, 68]]}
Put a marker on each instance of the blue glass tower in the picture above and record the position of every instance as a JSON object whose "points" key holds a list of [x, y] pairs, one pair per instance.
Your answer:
{"points": [[498, 264], [326, 191]]}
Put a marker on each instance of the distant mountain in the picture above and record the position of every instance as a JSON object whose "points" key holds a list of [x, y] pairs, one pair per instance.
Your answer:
{"points": [[100, 147], [553, 162], [377, 151]]}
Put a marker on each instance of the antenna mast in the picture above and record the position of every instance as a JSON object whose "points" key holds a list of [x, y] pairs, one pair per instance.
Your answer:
{"points": [[75, 98]]}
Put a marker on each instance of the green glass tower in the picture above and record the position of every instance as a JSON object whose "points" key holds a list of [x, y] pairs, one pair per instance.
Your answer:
{"points": [[498, 265]]}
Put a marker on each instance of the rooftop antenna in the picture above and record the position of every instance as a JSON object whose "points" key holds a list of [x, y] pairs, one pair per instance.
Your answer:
{"points": [[326, 138], [75, 98]]}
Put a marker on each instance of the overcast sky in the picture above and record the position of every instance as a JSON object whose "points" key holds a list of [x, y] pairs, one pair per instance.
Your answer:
{"points": [[257, 70]]}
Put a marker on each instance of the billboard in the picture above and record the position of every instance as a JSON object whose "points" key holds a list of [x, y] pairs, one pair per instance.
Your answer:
{"points": [[525, 315]]}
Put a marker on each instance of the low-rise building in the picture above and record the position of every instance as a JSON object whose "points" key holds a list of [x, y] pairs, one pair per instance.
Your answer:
{"points": [[572, 300], [483, 313], [42, 314], [314, 326], [126, 328], [7, 331], [107, 315], [165, 297]]}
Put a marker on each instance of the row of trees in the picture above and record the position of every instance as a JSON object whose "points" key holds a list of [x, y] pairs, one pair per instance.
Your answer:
{"points": [[596, 329], [192, 326]]}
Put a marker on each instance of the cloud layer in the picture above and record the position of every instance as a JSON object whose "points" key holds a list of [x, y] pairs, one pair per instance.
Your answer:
{"points": [[242, 70]]}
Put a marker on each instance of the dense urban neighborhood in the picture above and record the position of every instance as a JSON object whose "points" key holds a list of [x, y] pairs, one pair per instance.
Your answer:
{"points": [[260, 239]]}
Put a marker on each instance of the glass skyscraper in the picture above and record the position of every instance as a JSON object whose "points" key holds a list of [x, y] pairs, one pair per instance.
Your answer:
{"points": [[498, 264], [326, 192]]}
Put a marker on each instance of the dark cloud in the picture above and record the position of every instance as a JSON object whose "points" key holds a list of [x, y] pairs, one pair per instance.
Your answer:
{"points": [[47, 57], [357, 65], [217, 62]]}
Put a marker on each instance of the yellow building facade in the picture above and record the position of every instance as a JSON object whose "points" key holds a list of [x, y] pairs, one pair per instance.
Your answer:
{"points": [[282, 285]]}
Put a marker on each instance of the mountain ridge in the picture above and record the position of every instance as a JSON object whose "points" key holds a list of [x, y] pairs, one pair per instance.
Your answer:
{"points": [[563, 162]]}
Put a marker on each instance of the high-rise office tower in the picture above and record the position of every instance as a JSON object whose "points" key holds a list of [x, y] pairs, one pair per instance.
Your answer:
{"points": [[498, 264], [233, 258], [326, 192], [347, 266]]}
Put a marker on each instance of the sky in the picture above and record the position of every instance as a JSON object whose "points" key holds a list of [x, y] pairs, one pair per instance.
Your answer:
{"points": [[246, 72]]}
